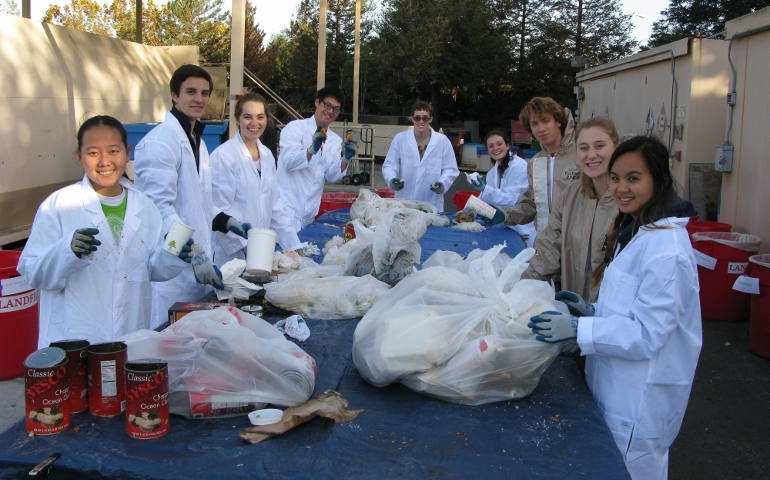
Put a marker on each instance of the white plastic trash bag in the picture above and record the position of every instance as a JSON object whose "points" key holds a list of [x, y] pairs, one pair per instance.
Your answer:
{"points": [[325, 298], [460, 336], [369, 206], [224, 361]]}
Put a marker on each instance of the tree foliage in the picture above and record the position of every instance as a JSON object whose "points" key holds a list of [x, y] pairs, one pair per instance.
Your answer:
{"points": [[10, 7], [699, 18]]}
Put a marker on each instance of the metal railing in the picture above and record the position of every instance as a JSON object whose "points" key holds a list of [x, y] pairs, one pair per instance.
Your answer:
{"points": [[272, 95]]}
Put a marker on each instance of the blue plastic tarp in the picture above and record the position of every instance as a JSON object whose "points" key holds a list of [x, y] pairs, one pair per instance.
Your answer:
{"points": [[557, 432]]}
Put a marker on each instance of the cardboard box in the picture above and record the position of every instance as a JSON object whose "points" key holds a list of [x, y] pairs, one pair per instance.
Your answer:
{"points": [[180, 309]]}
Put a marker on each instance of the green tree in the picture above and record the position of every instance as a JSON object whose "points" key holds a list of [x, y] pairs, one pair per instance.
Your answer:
{"points": [[10, 7], [197, 22], [699, 18], [84, 15]]}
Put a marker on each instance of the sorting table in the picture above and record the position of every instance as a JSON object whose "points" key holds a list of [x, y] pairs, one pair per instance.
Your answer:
{"points": [[557, 432]]}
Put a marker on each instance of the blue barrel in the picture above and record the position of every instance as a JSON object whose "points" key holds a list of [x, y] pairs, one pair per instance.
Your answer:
{"points": [[214, 134]]}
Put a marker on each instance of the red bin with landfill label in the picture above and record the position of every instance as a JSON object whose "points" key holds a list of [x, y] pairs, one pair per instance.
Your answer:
{"points": [[759, 326], [721, 258], [19, 307]]}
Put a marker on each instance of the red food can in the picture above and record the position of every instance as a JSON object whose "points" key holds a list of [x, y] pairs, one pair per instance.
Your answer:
{"points": [[147, 409], [349, 233], [77, 372], [106, 378], [46, 391]]}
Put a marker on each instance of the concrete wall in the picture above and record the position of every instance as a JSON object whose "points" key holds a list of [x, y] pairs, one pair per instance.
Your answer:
{"points": [[746, 190], [54, 78], [636, 93]]}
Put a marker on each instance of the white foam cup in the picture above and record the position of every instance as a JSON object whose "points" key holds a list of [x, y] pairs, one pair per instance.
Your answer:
{"points": [[177, 237], [260, 251]]}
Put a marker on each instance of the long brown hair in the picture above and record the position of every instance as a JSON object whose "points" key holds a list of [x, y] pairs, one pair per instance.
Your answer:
{"points": [[655, 156], [502, 164]]}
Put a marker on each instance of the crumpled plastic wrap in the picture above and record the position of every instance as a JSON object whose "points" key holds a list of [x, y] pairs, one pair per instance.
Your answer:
{"points": [[458, 331], [369, 206], [323, 293], [235, 287], [226, 357]]}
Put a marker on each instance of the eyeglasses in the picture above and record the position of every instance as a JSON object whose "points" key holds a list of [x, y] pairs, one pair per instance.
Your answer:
{"points": [[421, 118], [330, 107]]}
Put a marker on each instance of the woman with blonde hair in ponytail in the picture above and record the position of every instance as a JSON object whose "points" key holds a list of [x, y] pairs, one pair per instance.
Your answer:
{"points": [[643, 337]]}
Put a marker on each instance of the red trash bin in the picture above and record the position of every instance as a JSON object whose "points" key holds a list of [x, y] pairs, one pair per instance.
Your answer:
{"points": [[722, 257], [695, 226], [759, 326], [461, 198], [335, 201], [18, 317]]}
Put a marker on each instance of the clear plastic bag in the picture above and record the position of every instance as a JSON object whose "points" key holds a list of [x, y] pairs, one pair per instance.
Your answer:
{"points": [[323, 297], [459, 333], [224, 361]]}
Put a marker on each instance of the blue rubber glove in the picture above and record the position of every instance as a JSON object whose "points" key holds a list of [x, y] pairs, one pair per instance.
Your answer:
{"points": [[204, 269], [83, 241], [577, 306], [185, 254], [238, 227], [478, 184], [499, 217], [554, 327], [396, 184], [350, 148], [437, 187], [319, 137]]}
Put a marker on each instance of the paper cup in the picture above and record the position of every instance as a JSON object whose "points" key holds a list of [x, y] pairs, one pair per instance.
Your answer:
{"points": [[177, 237], [260, 251], [480, 207]]}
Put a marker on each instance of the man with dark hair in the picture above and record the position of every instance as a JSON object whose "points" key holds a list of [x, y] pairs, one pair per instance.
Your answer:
{"points": [[421, 164], [172, 168], [551, 169], [310, 154]]}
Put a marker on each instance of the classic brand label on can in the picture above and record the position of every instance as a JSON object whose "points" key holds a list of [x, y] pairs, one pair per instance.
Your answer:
{"points": [[77, 372], [106, 381], [147, 409], [46, 393], [349, 232]]}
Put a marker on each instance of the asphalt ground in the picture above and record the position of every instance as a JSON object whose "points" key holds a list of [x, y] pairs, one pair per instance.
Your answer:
{"points": [[726, 430]]}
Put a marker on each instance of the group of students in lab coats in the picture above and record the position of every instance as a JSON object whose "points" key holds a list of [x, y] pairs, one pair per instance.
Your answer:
{"points": [[606, 223], [609, 230]]}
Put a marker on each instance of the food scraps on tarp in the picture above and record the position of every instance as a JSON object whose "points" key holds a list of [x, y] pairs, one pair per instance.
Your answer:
{"points": [[329, 405]]}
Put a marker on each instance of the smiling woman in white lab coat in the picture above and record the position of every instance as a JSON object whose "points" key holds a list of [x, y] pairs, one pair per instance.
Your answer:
{"points": [[243, 184], [506, 180], [643, 337], [96, 245]]}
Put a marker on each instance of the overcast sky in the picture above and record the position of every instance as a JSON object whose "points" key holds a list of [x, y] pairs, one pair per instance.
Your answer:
{"points": [[274, 15]]}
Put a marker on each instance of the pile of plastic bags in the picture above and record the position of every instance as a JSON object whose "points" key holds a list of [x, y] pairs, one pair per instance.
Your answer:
{"points": [[457, 329], [225, 362]]}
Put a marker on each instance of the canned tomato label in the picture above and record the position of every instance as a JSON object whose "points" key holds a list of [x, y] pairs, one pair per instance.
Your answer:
{"points": [[349, 233], [46, 391], [147, 409], [106, 379], [77, 372]]}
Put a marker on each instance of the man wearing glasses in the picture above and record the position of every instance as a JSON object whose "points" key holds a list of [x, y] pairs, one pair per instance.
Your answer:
{"points": [[421, 164], [310, 154]]}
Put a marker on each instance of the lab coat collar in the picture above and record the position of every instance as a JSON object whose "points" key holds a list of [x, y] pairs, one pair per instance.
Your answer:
{"points": [[92, 205]]}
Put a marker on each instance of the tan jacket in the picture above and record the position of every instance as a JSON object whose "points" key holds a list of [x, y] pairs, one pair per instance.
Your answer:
{"points": [[571, 246], [536, 202]]}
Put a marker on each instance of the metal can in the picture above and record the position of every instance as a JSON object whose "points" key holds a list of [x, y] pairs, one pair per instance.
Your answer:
{"points": [[106, 380], [147, 408], [349, 233], [46, 391], [77, 372]]}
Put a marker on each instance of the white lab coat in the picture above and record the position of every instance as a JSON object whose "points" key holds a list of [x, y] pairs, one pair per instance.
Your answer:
{"points": [[643, 344], [505, 192], [300, 180], [249, 195], [105, 294], [438, 164], [164, 164]]}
